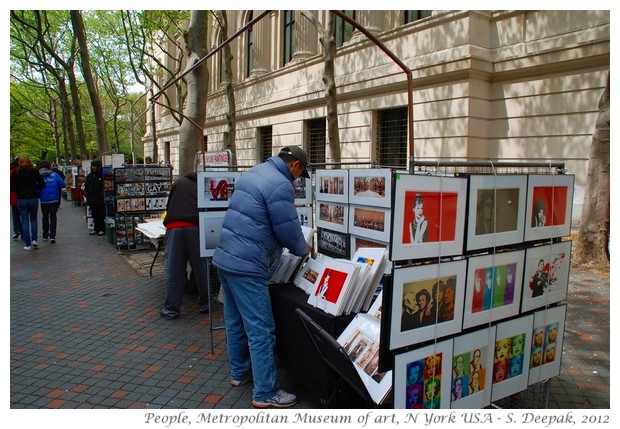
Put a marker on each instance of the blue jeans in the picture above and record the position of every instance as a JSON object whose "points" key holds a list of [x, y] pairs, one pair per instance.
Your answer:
{"points": [[49, 211], [250, 331], [28, 209], [17, 220]]}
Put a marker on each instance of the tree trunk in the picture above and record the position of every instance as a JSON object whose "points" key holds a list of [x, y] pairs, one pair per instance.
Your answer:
{"points": [[78, 29], [328, 42], [593, 242], [231, 117], [191, 131]]}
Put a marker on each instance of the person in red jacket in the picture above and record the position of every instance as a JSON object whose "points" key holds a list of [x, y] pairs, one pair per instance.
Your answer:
{"points": [[17, 220]]}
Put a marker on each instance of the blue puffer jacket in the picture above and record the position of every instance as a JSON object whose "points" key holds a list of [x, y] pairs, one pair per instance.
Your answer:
{"points": [[261, 220], [53, 186]]}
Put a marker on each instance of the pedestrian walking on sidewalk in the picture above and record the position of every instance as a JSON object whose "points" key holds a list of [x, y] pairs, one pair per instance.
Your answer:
{"points": [[17, 220], [50, 199], [93, 192], [27, 182]]}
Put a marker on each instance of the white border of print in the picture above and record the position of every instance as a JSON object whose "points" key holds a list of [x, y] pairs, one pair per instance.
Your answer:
{"points": [[210, 230], [495, 182], [421, 273], [371, 199], [400, 371], [470, 318], [549, 254], [203, 176], [323, 174], [367, 232]]}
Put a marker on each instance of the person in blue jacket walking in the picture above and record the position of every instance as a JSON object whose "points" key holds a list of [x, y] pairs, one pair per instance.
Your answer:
{"points": [[50, 199], [260, 221]]}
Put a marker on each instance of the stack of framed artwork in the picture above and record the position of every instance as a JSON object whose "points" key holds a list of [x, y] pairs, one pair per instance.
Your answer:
{"points": [[480, 274], [140, 192]]}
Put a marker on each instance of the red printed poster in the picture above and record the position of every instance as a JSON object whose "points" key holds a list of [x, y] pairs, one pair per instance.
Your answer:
{"points": [[549, 204], [436, 210]]}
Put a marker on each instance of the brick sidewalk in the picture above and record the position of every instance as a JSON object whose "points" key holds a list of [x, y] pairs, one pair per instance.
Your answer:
{"points": [[86, 333]]}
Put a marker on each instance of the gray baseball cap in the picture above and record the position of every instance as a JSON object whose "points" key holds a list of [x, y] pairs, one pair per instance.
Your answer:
{"points": [[300, 155]]}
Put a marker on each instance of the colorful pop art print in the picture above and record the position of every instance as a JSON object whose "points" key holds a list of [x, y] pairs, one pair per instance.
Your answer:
{"points": [[332, 185], [547, 270], [422, 377], [494, 284], [216, 188], [547, 340], [360, 340], [210, 230], [370, 187], [496, 210], [549, 206], [513, 344], [332, 215], [429, 216], [333, 243], [472, 365], [305, 214], [425, 302], [371, 222], [303, 191]]}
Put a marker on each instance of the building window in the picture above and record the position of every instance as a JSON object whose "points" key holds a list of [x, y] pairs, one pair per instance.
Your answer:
{"points": [[166, 152], [316, 140], [289, 36], [249, 41], [265, 144], [343, 31], [392, 137], [414, 15]]}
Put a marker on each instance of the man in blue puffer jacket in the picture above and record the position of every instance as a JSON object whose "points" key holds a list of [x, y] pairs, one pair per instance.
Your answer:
{"points": [[261, 220], [50, 199]]}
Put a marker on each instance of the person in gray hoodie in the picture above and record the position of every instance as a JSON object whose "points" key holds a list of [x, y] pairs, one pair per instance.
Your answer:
{"points": [[49, 197]]}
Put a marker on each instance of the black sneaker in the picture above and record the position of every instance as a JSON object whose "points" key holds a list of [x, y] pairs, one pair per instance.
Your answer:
{"points": [[52, 240], [16, 235], [168, 315]]}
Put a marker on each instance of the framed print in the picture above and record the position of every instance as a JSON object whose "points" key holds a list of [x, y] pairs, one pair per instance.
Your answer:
{"points": [[360, 340], [216, 188], [547, 340], [332, 185], [546, 275], [370, 187], [357, 242], [549, 206], [422, 377], [425, 302], [333, 243], [332, 215], [429, 216], [371, 222], [472, 364], [334, 286], [496, 210], [493, 287], [305, 214], [303, 191], [309, 274], [210, 227], [513, 343]]}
